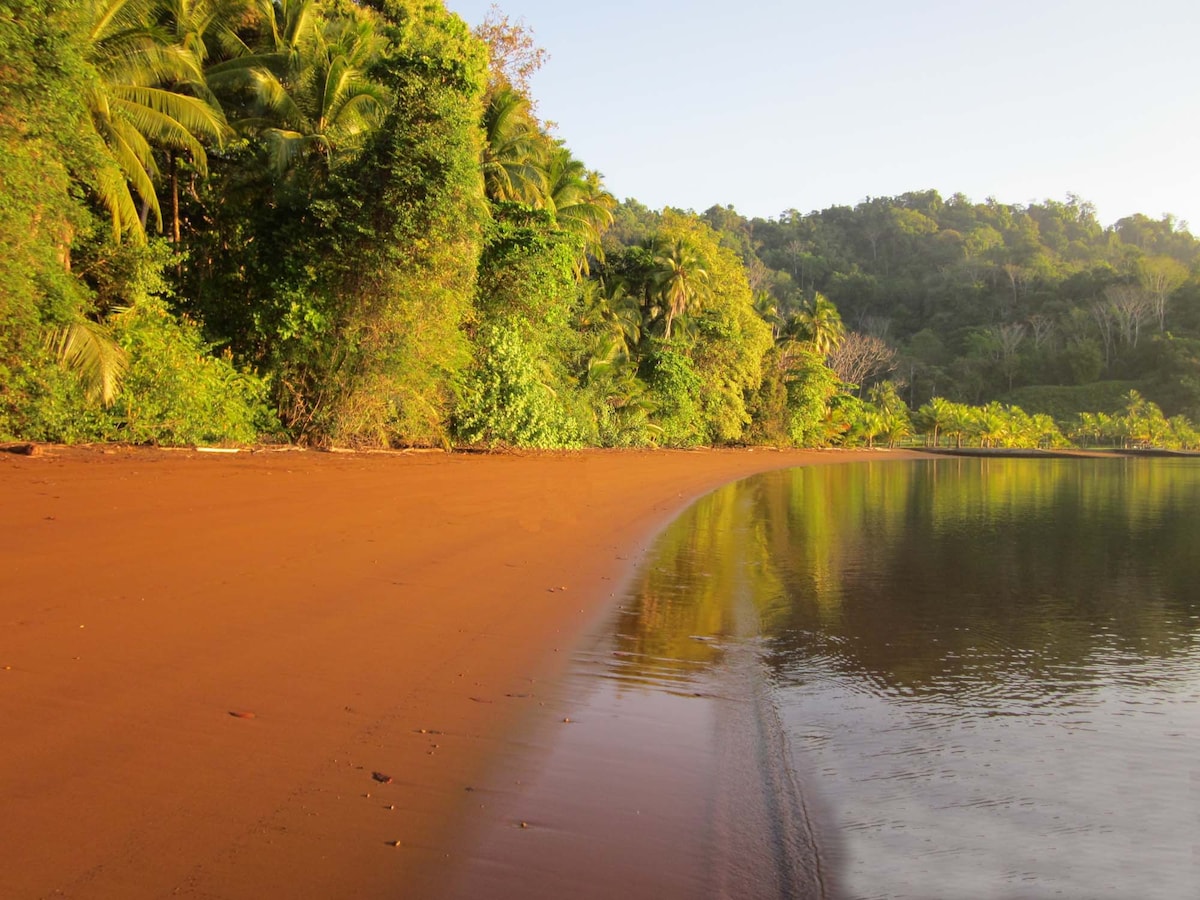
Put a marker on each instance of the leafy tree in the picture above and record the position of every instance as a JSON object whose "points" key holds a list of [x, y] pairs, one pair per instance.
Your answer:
{"points": [[811, 385], [514, 54], [859, 359], [399, 248], [677, 388], [1161, 276], [725, 338], [45, 148]]}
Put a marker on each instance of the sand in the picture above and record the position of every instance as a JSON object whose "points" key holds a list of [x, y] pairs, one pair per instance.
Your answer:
{"points": [[275, 674]]}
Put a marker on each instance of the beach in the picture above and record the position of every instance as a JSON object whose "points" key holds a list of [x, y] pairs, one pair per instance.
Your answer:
{"points": [[276, 674]]}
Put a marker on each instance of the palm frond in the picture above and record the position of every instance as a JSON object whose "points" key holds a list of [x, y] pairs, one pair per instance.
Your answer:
{"points": [[88, 348], [112, 190]]}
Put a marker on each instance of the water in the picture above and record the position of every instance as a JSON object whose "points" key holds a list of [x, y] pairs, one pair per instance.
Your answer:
{"points": [[994, 668], [942, 679]]}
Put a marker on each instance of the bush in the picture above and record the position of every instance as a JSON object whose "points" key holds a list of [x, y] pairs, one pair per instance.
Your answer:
{"points": [[176, 392], [507, 400], [676, 388]]}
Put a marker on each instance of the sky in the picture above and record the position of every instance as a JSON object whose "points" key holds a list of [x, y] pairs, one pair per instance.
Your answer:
{"points": [[768, 105]]}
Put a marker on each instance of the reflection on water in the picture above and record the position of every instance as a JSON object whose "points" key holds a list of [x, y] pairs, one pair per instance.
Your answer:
{"points": [[988, 671]]}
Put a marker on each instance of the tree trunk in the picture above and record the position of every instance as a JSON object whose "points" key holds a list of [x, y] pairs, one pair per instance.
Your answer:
{"points": [[173, 158]]}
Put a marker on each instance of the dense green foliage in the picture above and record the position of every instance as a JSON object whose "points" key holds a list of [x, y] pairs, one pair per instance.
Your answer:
{"points": [[975, 300], [508, 399], [343, 222], [41, 71]]}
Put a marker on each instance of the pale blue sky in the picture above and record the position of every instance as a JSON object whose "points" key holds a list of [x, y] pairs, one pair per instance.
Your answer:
{"points": [[771, 105]]}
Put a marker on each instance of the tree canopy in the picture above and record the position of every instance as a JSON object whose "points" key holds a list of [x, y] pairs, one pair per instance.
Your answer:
{"points": [[345, 222]]}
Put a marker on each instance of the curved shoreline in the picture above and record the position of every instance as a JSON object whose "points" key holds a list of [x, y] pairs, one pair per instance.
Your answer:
{"points": [[374, 613]]}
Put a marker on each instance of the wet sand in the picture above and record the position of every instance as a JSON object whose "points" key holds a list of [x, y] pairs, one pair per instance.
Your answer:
{"points": [[205, 659], [668, 784]]}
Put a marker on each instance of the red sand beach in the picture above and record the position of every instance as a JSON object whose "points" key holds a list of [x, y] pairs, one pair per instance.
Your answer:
{"points": [[251, 675]]}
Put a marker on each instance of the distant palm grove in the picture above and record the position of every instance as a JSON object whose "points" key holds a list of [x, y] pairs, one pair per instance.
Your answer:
{"points": [[344, 223]]}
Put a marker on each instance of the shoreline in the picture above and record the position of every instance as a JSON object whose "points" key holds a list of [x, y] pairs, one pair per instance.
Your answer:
{"points": [[204, 658]]}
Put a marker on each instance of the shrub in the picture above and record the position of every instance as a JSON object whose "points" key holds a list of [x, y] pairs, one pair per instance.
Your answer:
{"points": [[508, 400], [175, 391], [676, 390]]}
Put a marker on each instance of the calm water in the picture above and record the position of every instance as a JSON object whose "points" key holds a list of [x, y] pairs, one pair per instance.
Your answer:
{"points": [[944, 679], [994, 669], [988, 671]]}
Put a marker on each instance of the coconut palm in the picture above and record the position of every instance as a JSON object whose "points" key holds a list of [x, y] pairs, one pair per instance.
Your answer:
{"points": [[610, 310], [302, 86], [579, 202], [959, 422], [515, 151], [263, 53], [1087, 428], [1183, 433], [820, 324], [895, 422], [896, 426], [1046, 431], [334, 106], [768, 311], [989, 424], [934, 416], [869, 425], [680, 281], [150, 93]]}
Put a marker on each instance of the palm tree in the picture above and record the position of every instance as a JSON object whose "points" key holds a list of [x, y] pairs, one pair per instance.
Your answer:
{"points": [[150, 93], [1109, 427], [820, 324], [515, 151], [959, 422], [1183, 433], [610, 310], [680, 281], [870, 425], [896, 424], [768, 311], [989, 424], [1045, 430], [934, 417], [1087, 428], [266, 50], [334, 106], [303, 87], [579, 202]]}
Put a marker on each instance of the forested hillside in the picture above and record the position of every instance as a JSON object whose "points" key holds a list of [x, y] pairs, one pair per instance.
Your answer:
{"points": [[981, 299], [343, 222]]}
